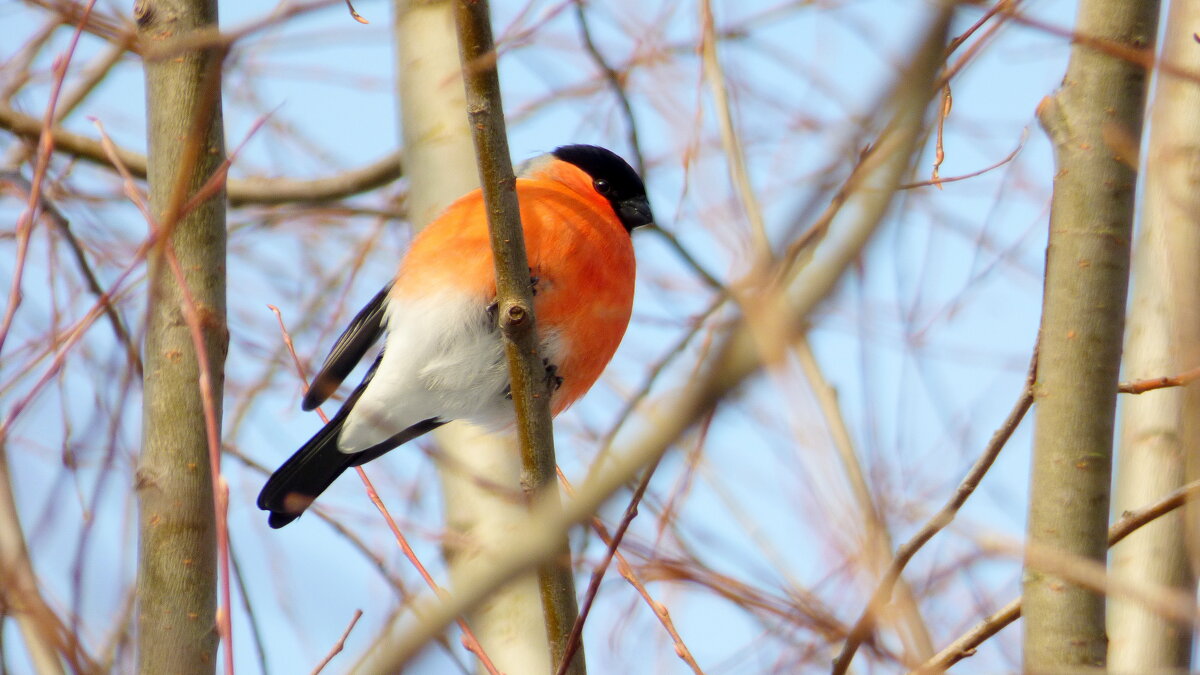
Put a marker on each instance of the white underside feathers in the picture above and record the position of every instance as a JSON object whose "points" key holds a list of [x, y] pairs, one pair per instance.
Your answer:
{"points": [[442, 358]]}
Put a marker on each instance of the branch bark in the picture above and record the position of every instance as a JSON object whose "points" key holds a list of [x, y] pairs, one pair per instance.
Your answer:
{"points": [[514, 297], [1094, 121], [440, 167], [177, 567], [240, 191]]}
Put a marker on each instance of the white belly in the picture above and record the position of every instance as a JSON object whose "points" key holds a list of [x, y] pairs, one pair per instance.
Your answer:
{"points": [[442, 358]]}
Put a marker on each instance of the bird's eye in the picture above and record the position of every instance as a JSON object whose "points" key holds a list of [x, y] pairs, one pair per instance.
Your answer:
{"points": [[602, 186]]}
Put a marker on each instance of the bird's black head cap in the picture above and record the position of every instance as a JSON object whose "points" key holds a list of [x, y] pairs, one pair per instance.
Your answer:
{"points": [[613, 178]]}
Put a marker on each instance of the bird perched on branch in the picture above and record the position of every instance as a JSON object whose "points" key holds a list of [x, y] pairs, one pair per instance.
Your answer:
{"points": [[442, 358]]}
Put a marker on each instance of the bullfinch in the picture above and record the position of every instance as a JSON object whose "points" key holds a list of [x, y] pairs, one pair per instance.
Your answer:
{"points": [[442, 358]]}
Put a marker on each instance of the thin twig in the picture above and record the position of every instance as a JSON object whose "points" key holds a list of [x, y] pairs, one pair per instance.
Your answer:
{"points": [[939, 149], [341, 643], [877, 542], [354, 14], [953, 179], [966, 644], [356, 542], [616, 81], [626, 572], [85, 269], [20, 61], [43, 631], [256, 632], [866, 621], [94, 313], [45, 135], [655, 370], [1142, 386], [589, 595], [735, 156]]}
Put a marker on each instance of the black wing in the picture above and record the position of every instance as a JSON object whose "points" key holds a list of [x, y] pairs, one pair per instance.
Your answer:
{"points": [[314, 467], [358, 337]]}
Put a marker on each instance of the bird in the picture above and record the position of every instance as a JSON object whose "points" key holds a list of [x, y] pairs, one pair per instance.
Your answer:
{"points": [[442, 357]]}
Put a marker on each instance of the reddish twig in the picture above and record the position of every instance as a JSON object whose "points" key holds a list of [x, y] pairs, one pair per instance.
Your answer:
{"points": [[97, 309], [339, 645], [357, 17], [976, 47], [939, 181], [45, 148], [939, 150], [73, 337], [626, 572], [217, 181], [965, 35], [593, 588], [89, 276], [1142, 386]]}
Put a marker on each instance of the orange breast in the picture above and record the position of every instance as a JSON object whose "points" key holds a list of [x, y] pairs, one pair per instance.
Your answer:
{"points": [[578, 250]]}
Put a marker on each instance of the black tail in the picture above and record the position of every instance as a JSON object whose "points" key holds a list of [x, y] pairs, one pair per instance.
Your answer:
{"points": [[315, 466], [305, 475]]}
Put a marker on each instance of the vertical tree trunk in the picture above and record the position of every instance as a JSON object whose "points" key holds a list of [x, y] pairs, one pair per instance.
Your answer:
{"points": [[1164, 334], [439, 160], [176, 565], [1094, 121]]}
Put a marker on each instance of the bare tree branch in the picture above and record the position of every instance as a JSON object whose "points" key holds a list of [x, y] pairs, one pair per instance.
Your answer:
{"points": [[966, 644], [241, 191], [518, 325], [866, 621]]}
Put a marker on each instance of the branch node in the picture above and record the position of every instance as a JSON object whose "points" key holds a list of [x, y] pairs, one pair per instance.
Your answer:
{"points": [[515, 316]]}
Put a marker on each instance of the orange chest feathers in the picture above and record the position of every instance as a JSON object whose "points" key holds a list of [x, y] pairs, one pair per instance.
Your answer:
{"points": [[580, 255]]}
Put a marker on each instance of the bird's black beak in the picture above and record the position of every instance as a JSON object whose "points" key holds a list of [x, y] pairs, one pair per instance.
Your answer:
{"points": [[635, 213]]}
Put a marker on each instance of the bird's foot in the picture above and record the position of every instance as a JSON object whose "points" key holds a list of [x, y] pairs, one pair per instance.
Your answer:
{"points": [[553, 379], [493, 308]]}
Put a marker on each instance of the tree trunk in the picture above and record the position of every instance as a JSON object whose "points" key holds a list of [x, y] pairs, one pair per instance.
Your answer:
{"points": [[177, 575], [1164, 332], [1094, 121]]}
